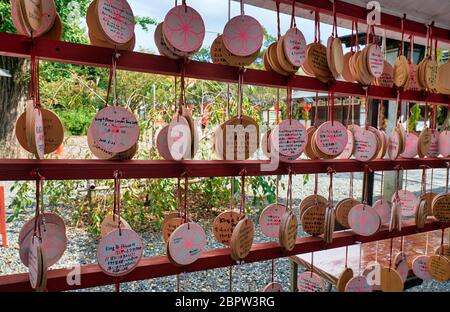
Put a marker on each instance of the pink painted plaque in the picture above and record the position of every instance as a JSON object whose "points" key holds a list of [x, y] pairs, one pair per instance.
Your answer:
{"points": [[310, 282], [273, 287], [48, 16], [349, 148], [358, 284], [393, 145], [162, 144], [365, 144], [331, 138], [444, 143], [294, 45], [119, 252], [408, 202], [243, 35], [364, 220], [187, 243], [375, 60], [289, 138], [184, 29], [420, 267], [116, 20], [383, 210], [270, 220], [387, 77], [401, 265], [433, 151], [115, 129], [413, 84], [412, 141]]}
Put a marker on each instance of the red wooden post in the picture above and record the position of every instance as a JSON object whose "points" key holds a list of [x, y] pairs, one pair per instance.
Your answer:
{"points": [[3, 216]]}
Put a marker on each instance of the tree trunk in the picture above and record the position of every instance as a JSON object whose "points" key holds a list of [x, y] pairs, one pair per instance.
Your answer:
{"points": [[12, 99]]}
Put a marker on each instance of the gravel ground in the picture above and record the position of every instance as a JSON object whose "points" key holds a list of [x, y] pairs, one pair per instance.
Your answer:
{"points": [[246, 277]]}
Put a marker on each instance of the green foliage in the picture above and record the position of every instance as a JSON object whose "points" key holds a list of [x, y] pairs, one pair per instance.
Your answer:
{"points": [[144, 22], [22, 199], [6, 24], [414, 117]]}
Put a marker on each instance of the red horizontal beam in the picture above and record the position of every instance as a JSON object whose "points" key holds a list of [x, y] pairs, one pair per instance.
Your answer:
{"points": [[66, 52], [154, 267], [24, 169], [359, 13]]}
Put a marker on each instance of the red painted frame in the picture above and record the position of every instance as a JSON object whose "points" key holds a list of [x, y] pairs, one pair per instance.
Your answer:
{"points": [[154, 267]]}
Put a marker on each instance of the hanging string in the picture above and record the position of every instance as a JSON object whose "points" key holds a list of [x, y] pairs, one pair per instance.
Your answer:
{"points": [[347, 122], [240, 92], [431, 180], [179, 197], [289, 191], [316, 110], [186, 199], [278, 20], [390, 255], [376, 251], [273, 270], [360, 257], [277, 107], [357, 35], [411, 50], [182, 91], [447, 176], [402, 241], [351, 185], [330, 189], [293, 23], [331, 99], [366, 109], [346, 256], [231, 193], [277, 188], [312, 263], [352, 37], [442, 242], [242, 7], [117, 199], [402, 46], [316, 27], [426, 245], [242, 208], [37, 217], [381, 184], [334, 30]]}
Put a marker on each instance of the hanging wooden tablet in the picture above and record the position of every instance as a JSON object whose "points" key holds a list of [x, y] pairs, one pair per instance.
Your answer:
{"points": [[395, 221], [420, 267], [282, 59], [310, 282], [224, 225], [412, 140], [243, 35], [342, 210], [266, 143], [184, 28], [294, 46], [317, 62], [329, 225], [443, 250], [234, 60], [343, 279], [270, 220], [366, 146], [55, 33], [358, 284], [441, 207], [217, 52], [289, 139], [331, 138], [346, 73], [439, 268], [242, 239], [408, 202], [424, 143], [119, 252], [33, 13], [421, 213], [110, 222], [349, 147], [310, 201], [288, 230], [273, 287], [274, 61], [383, 209], [308, 148], [313, 219], [37, 266], [116, 20], [428, 197], [162, 46], [170, 224], [394, 144], [162, 144], [187, 243], [387, 77], [179, 138], [17, 18], [401, 265], [364, 220], [401, 71], [444, 142], [391, 281], [443, 79]]}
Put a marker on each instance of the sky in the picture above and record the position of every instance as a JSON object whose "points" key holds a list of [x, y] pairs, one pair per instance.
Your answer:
{"points": [[215, 16]]}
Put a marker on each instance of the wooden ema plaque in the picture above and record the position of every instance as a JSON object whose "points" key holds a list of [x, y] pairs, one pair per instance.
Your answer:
{"points": [[387, 77], [115, 130], [116, 20], [428, 197], [394, 144], [375, 60], [294, 46], [161, 44], [313, 219], [119, 252], [171, 223], [439, 268], [342, 210], [311, 200], [243, 35], [317, 62], [411, 144], [433, 150], [235, 60], [401, 71], [383, 209], [420, 267], [224, 225], [270, 220], [343, 279], [346, 73], [391, 280], [55, 33], [289, 138], [401, 265], [53, 238], [162, 143], [421, 213], [349, 147], [273, 287], [187, 243], [310, 282], [184, 29], [444, 143], [364, 220], [441, 207], [288, 230], [331, 138], [242, 239], [408, 202], [443, 250], [280, 55], [217, 52], [37, 266], [33, 16], [365, 145], [33, 13], [358, 284], [266, 143], [111, 223]]}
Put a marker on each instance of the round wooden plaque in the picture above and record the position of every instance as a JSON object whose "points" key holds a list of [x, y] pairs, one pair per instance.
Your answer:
{"points": [[391, 281], [55, 33], [428, 197], [349, 148], [289, 138], [313, 219], [310, 200], [184, 28], [38, 136], [439, 268], [375, 60], [119, 252], [371, 273], [161, 44], [288, 230], [162, 144], [310, 282], [273, 287], [364, 220], [343, 279], [33, 13], [383, 209], [224, 225], [401, 265], [445, 252], [420, 267], [216, 51], [111, 223], [179, 138], [234, 60], [412, 141], [365, 145], [337, 55], [387, 77], [433, 150], [343, 208], [35, 263], [270, 220], [116, 20], [444, 143], [408, 202], [243, 35], [242, 239], [346, 73], [331, 138], [317, 62], [441, 207], [266, 143], [294, 46], [394, 144], [170, 224], [401, 71], [187, 243], [424, 142], [358, 284]]}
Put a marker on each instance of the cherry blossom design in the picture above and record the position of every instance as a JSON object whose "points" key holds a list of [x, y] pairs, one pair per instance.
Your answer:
{"points": [[187, 243], [116, 20], [243, 35], [115, 129], [119, 252], [184, 29]]}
